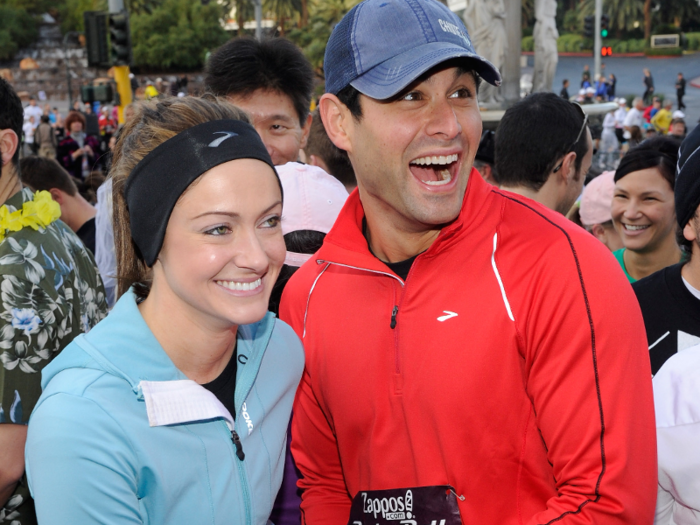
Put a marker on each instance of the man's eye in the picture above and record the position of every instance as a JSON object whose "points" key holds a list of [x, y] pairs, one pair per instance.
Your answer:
{"points": [[461, 93], [413, 95], [218, 230]]}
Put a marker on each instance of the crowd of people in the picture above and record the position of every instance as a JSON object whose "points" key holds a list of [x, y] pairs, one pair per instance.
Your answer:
{"points": [[228, 308]]}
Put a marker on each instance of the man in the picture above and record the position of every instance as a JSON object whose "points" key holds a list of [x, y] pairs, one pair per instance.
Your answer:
{"points": [[43, 174], [648, 86], [51, 293], [596, 218], [45, 138], [680, 91], [620, 115], [634, 117], [485, 157], [677, 128], [462, 350], [662, 119], [652, 110], [273, 82], [32, 110], [564, 93], [670, 298], [586, 77], [544, 150]]}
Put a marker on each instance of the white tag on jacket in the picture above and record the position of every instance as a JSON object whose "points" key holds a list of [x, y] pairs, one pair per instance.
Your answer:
{"points": [[182, 401]]}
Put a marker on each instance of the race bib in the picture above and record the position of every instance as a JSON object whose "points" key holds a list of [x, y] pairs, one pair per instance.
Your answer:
{"points": [[436, 505]]}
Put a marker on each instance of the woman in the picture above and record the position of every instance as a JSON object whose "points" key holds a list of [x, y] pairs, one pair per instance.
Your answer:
{"points": [[643, 208], [175, 408], [77, 152]]}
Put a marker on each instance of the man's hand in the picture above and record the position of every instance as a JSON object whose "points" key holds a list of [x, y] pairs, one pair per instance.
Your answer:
{"points": [[12, 440]]}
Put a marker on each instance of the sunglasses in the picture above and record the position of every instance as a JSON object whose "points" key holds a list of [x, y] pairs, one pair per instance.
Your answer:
{"points": [[578, 137]]}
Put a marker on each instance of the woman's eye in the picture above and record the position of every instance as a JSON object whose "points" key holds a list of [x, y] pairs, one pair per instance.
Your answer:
{"points": [[219, 230], [271, 222]]}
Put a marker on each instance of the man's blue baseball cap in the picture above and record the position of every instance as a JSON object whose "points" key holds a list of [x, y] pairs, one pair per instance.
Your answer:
{"points": [[381, 46]]}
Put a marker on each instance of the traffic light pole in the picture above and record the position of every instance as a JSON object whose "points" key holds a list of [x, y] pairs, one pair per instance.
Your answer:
{"points": [[598, 42], [121, 73]]}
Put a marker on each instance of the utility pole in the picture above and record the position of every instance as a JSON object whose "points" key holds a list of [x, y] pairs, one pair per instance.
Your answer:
{"points": [[598, 40], [121, 73], [511, 66], [258, 19]]}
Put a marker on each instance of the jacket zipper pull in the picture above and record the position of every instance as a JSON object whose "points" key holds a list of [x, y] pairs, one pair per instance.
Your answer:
{"points": [[239, 447], [393, 317]]}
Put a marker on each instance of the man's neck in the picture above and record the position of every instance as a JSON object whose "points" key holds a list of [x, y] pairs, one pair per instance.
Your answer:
{"points": [[81, 212], [9, 183], [546, 195], [392, 242], [643, 264], [691, 270]]}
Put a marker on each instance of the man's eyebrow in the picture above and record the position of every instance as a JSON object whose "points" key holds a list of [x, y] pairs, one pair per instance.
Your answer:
{"points": [[280, 116]]}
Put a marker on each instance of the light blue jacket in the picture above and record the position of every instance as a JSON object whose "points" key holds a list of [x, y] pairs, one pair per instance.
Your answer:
{"points": [[92, 457]]}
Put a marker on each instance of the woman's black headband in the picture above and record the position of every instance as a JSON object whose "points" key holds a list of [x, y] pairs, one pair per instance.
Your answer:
{"points": [[163, 175]]}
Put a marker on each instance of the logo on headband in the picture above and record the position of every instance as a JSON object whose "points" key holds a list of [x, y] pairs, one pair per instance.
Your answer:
{"points": [[216, 143]]}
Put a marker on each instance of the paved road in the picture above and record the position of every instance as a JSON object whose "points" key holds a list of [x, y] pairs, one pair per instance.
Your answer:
{"points": [[629, 77]]}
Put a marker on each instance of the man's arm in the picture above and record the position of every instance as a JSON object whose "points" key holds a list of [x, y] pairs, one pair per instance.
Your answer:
{"points": [[12, 440], [589, 379], [325, 499]]}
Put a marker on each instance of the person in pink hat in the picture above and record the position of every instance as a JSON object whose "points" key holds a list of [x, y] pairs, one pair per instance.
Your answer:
{"points": [[595, 210]]}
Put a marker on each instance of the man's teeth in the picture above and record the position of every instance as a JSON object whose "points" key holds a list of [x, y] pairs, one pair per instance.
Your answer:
{"points": [[635, 228], [446, 177], [439, 160], [235, 285]]}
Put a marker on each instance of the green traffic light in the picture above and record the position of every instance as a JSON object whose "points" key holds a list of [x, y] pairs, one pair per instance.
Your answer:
{"points": [[604, 33]]}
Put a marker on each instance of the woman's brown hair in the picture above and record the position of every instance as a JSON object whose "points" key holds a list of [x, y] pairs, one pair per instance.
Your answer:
{"points": [[154, 123], [74, 116]]}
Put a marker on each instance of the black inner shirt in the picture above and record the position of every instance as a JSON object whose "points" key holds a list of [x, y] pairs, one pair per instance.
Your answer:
{"points": [[224, 386], [401, 268]]}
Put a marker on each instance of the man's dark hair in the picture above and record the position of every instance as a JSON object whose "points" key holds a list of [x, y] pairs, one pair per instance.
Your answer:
{"points": [[336, 159], [244, 65], [44, 174], [11, 115], [532, 138], [44, 118]]}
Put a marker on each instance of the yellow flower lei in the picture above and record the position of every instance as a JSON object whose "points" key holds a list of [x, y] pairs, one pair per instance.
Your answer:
{"points": [[37, 213]]}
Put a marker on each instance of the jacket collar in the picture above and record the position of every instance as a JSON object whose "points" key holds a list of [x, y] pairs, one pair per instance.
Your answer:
{"points": [[124, 346], [346, 244]]}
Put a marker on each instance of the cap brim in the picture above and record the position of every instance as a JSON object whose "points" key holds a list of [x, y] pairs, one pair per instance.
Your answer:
{"points": [[388, 78]]}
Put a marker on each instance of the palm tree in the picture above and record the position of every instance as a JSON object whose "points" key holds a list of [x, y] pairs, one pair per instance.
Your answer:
{"points": [[283, 10], [623, 13]]}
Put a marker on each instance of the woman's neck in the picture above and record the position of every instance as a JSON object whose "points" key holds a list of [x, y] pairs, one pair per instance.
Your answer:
{"points": [[198, 349], [643, 264]]}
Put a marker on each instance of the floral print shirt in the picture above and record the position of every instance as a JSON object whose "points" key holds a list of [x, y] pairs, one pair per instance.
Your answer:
{"points": [[50, 292]]}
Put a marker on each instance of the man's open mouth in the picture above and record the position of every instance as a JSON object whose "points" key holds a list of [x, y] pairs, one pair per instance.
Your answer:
{"points": [[436, 170]]}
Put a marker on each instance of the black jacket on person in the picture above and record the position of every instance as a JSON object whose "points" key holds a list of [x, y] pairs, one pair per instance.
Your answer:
{"points": [[680, 87]]}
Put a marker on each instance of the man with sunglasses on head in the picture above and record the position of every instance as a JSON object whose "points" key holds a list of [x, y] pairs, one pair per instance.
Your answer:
{"points": [[464, 361], [544, 150]]}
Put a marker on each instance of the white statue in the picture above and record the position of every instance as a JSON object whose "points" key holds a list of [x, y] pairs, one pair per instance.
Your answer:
{"points": [[546, 54], [486, 23]]}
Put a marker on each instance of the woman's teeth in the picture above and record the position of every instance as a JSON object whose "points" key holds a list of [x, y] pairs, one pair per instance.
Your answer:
{"points": [[238, 286], [635, 228]]}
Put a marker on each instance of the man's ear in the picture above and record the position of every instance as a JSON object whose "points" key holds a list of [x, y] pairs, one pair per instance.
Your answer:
{"points": [[689, 231], [305, 129], [337, 120], [9, 142], [57, 195], [568, 168]]}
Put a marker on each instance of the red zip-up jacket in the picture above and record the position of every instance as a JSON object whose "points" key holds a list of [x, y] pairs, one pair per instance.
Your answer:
{"points": [[511, 364]]}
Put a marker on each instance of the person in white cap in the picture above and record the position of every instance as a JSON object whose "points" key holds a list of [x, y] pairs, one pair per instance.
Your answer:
{"points": [[620, 115], [595, 210]]}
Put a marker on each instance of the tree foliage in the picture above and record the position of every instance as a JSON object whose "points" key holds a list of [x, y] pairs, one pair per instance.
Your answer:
{"points": [[70, 13], [176, 35], [18, 28]]}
